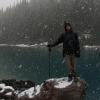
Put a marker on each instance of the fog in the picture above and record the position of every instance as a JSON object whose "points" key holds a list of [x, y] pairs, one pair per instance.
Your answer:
{"points": [[42, 20]]}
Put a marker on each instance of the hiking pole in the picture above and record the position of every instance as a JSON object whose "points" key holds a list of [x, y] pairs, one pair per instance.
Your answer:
{"points": [[49, 49]]}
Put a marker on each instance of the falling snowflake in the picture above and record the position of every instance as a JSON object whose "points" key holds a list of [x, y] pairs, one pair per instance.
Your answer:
{"points": [[20, 66]]}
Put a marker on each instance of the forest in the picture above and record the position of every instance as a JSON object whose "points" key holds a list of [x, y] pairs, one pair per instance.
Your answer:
{"points": [[37, 21]]}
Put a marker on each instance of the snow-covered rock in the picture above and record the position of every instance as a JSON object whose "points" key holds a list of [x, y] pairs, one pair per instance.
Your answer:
{"points": [[56, 89], [51, 89]]}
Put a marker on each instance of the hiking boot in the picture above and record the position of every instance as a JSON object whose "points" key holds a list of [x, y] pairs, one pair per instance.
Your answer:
{"points": [[75, 77], [74, 74], [70, 77]]}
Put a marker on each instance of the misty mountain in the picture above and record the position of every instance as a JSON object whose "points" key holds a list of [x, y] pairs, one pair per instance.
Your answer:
{"points": [[42, 20]]}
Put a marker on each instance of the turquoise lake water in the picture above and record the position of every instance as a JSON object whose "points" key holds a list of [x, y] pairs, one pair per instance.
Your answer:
{"points": [[32, 63]]}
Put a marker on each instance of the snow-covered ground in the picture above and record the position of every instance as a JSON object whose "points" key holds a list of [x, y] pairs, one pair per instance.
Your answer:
{"points": [[25, 45], [30, 92], [33, 91], [4, 88], [59, 83]]}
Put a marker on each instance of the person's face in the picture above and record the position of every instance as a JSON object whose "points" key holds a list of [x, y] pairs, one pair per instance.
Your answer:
{"points": [[68, 27]]}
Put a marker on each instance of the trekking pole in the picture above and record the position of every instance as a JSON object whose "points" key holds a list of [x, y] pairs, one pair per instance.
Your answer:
{"points": [[49, 62]]}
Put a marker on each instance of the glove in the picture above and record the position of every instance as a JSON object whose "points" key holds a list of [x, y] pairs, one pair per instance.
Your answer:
{"points": [[77, 54], [49, 46]]}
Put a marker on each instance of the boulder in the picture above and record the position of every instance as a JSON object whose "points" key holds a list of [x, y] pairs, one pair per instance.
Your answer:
{"points": [[56, 89]]}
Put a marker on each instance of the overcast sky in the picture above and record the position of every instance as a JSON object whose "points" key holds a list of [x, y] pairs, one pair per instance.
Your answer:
{"points": [[7, 3]]}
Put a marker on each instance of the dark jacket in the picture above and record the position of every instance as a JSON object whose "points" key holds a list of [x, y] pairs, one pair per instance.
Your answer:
{"points": [[70, 43]]}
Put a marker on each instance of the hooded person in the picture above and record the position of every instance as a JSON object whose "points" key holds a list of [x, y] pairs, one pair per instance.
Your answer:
{"points": [[71, 48]]}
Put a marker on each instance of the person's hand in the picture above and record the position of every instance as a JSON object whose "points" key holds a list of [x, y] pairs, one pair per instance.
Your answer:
{"points": [[49, 46], [77, 53]]}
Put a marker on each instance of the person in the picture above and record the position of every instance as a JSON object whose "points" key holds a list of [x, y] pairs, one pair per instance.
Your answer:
{"points": [[71, 48]]}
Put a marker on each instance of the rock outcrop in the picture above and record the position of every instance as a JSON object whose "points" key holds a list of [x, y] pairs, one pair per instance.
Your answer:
{"points": [[52, 89]]}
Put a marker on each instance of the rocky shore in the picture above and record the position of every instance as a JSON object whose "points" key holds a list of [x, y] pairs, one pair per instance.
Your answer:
{"points": [[51, 89]]}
